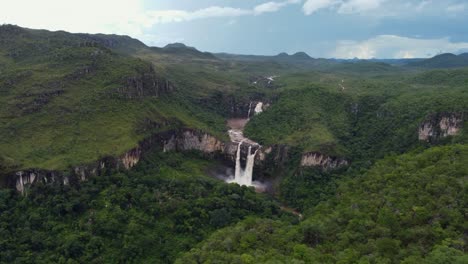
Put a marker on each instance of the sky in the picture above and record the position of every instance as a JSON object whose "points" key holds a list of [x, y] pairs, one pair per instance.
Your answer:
{"points": [[322, 28]]}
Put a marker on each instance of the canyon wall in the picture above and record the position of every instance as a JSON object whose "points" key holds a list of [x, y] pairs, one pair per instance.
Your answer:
{"points": [[174, 140], [440, 125], [315, 159]]}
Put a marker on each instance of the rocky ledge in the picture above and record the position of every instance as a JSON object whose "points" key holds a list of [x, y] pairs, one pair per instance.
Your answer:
{"points": [[440, 125], [315, 159]]}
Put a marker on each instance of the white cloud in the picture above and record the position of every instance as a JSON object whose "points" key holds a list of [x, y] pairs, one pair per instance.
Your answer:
{"points": [[358, 6], [391, 46], [341, 6], [113, 16], [422, 5], [269, 7], [311, 6], [167, 16], [456, 8], [75, 16], [385, 8]]}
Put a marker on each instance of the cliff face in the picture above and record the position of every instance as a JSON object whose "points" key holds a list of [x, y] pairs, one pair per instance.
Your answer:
{"points": [[178, 140], [175, 140], [192, 140], [22, 179], [144, 84], [315, 159], [440, 125]]}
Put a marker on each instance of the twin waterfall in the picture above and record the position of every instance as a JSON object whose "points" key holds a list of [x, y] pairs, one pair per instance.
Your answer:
{"points": [[244, 176]]}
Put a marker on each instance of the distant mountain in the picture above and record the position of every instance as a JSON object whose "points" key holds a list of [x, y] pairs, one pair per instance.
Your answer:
{"points": [[397, 62], [464, 55], [298, 59], [122, 44], [298, 56], [183, 50], [446, 60]]}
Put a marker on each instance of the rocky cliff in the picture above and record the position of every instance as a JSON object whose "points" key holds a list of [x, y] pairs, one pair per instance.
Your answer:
{"points": [[315, 159], [193, 140], [440, 125], [145, 83], [174, 140]]}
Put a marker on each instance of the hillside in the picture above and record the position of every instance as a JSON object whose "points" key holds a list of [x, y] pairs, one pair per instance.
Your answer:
{"points": [[405, 209], [447, 60], [69, 99]]}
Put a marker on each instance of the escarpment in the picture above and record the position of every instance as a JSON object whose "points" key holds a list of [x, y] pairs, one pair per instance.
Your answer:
{"points": [[440, 125], [315, 159], [230, 106], [173, 140], [144, 84], [192, 140]]}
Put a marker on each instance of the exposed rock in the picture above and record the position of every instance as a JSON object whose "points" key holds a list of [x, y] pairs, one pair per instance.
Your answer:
{"points": [[192, 140], [23, 179], [177, 140], [315, 159], [440, 125], [144, 84], [131, 158]]}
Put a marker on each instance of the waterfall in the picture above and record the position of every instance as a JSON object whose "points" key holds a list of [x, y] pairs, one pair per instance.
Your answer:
{"points": [[250, 108], [244, 177], [249, 166], [258, 108], [238, 172]]}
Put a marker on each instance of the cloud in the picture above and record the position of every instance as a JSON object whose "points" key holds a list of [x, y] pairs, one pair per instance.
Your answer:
{"points": [[358, 6], [456, 8], [74, 16], [167, 16], [392, 46], [127, 17], [270, 7], [311, 6], [341, 6], [384, 8]]}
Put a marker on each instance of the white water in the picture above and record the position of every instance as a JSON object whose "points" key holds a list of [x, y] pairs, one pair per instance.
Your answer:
{"points": [[258, 108], [244, 176], [238, 171]]}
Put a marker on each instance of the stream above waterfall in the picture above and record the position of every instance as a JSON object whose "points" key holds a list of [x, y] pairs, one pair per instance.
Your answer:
{"points": [[244, 176], [236, 131]]}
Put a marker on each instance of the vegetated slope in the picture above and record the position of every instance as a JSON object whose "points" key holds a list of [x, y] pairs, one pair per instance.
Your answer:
{"points": [[446, 60], [443, 77], [67, 99], [405, 209], [358, 119], [366, 121], [148, 215]]}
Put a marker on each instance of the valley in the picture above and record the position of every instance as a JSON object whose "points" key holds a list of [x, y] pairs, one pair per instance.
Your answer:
{"points": [[112, 151]]}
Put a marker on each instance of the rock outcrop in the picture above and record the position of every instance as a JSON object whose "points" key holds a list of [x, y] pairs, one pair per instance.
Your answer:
{"points": [[192, 140], [315, 159], [440, 125], [144, 84], [174, 140]]}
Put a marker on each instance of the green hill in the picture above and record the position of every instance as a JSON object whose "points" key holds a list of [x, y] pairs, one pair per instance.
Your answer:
{"points": [[69, 99], [446, 60]]}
